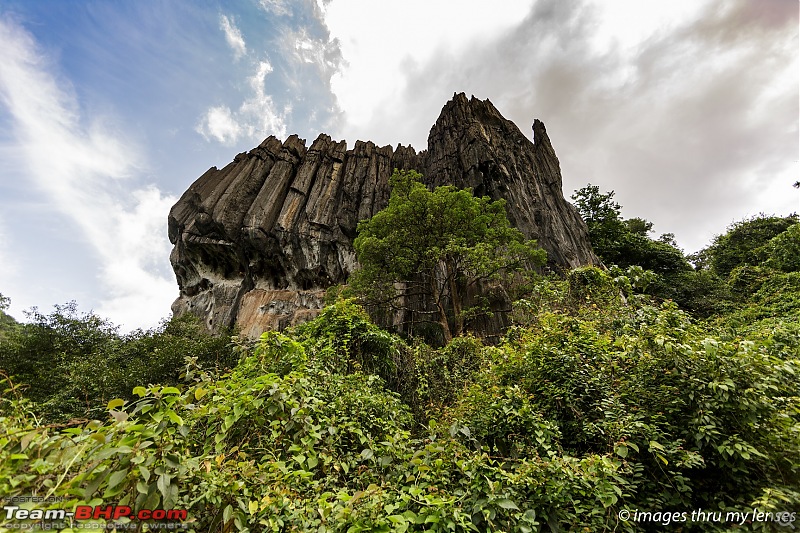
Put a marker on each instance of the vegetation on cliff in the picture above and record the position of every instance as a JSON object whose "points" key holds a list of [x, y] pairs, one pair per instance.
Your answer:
{"points": [[606, 396], [440, 248]]}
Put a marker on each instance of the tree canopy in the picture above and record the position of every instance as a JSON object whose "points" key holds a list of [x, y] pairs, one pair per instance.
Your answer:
{"points": [[744, 243], [625, 242], [440, 246], [7, 321]]}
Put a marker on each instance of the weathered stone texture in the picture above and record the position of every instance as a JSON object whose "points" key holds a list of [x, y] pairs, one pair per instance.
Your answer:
{"points": [[257, 242]]}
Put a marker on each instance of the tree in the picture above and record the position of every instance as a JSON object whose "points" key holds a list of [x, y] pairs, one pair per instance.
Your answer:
{"points": [[596, 208], [639, 226], [625, 242], [7, 322], [440, 246], [783, 250], [70, 363], [744, 243]]}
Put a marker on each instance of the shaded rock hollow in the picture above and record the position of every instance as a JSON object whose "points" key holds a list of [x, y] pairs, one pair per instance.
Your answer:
{"points": [[257, 243]]}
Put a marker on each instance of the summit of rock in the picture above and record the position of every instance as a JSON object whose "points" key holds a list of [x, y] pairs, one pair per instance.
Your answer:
{"points": [[257, 243]]}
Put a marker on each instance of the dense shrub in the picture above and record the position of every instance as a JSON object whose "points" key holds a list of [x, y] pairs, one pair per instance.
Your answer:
{"points": [[600, 399], [743, 243], [70, 364], [782, 252], [584, 411]]}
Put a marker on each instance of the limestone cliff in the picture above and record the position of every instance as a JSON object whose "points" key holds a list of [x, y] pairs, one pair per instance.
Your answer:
{"points": [[258, 241]]}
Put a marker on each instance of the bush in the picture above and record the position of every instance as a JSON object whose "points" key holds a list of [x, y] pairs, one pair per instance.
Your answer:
{"points": [[783, 250], [593, 404], [444, 373], [743, 243], [70, 364]]}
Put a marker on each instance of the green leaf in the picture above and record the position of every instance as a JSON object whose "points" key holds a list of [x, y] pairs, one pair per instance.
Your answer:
{"points": [[173, 416], [140, 391], [163, 485], [621, 450], [505, 503], [116, 478], [116, 402]]}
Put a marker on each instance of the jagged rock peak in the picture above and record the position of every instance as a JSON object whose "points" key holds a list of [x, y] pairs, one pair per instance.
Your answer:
{"points": [[257, 242]]}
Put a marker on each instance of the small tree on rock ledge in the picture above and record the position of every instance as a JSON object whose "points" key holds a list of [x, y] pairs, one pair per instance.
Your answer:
{"points": [[438, 246]]}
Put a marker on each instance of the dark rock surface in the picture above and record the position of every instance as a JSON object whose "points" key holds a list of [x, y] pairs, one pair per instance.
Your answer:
{"points": [[257, 242]]}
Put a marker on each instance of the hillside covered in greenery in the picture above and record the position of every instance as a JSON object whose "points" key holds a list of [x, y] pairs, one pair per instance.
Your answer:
{"points": [[664, 384]]}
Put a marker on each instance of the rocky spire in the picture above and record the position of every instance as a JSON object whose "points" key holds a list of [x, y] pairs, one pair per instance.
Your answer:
{"points": [[257, 242]]}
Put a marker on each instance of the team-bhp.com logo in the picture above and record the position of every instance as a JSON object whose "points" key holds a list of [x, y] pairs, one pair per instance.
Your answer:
{"points": [[95, 512]]}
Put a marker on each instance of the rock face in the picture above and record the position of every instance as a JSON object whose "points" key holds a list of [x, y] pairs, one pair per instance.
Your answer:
{"points": [[257, 243]]}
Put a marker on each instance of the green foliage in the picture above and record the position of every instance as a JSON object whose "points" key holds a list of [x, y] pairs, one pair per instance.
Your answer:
{"points": [[783, 250], [7, 322], [596, 208], [703, 409], [601, 398], [639, 226], [587, 410], [775, 302], [625, 242], [70, 364], [727, 274], [745, 275], [701, 292], [744, 243], [588, 283], [439, 246], [347, 342], [505, 422], [443, 374]]}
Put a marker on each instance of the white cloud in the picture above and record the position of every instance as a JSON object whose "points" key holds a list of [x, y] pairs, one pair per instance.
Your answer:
{"points": [[81, 170], [689, 112], [259, 112], [387, 40], [141, 284], [233, 36], [256, 118], [275, 7], [220, 124], [306, 49]]}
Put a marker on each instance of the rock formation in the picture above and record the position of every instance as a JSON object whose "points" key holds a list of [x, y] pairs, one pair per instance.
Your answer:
{"points": [[257, 243]]}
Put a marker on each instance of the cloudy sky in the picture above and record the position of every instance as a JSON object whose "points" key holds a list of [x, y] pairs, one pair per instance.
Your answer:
{"points": [[688, 109]]}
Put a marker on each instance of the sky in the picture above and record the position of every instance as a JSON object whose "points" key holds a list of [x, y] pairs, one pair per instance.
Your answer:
{"points": [[687, 109]]}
